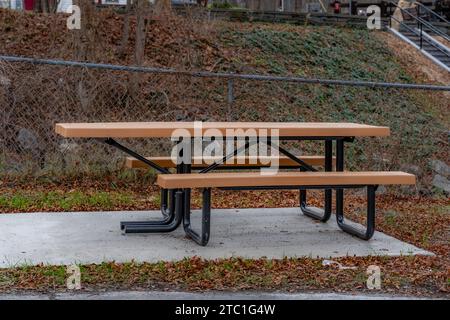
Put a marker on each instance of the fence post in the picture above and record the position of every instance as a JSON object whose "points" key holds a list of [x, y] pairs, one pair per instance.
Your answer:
{"points": [[421, 36], [230, 98]]}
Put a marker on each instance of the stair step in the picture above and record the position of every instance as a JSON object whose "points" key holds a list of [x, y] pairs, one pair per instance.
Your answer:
{"points": [[437, 49], [409, 34], [440, 57], [442, 60], [433, 49], [413, 37], [427, 45], [446, 62], [437, 53]]}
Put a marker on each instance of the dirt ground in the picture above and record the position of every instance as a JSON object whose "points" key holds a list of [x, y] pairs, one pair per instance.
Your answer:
{"points": [[414, 60]]}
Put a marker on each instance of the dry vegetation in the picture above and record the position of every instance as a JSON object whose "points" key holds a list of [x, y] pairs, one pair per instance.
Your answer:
{"points": [[419, 121], [417, 64]]}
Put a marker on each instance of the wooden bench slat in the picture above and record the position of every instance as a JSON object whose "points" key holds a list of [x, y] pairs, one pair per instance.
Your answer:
{"points": [[166, 162], [253, 179], [166, 129]]}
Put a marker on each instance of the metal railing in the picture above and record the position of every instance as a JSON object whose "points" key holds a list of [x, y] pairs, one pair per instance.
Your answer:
{"points": [[430, 12], [421, 23]]}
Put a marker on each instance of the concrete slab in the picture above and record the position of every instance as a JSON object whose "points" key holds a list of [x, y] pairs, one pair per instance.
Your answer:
{"points": [[94, 237]]}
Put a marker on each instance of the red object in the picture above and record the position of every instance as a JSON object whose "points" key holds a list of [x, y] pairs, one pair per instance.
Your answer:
{"points": [[337, 7], [28, 4]]}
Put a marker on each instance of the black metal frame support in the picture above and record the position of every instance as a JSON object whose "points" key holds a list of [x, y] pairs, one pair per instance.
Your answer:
{"points": [[176, 203], [368, 233], [370, 228], [293, 157], [136, 155], [228, 156], [167, 227], [167, 210], [167, 206], [202, 238], [340, 167], [168, 201], [322, 215]]}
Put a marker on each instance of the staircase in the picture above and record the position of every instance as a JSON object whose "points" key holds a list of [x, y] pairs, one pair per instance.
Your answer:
{"points": [[428, 44], [417, 30]]}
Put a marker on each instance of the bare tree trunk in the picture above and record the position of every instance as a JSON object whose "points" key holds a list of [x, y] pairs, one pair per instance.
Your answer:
{"points": [[126, 31], [142, 12], [44, 6], [87, 40]]}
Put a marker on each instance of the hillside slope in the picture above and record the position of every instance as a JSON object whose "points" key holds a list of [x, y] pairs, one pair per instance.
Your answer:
{"points": [[418, 119]]}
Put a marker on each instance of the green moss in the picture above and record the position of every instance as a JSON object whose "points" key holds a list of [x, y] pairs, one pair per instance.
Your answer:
{"points": [[336, 53]]}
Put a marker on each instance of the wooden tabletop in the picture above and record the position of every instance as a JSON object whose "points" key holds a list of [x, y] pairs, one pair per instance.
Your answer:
{"points": [[165, 129]]}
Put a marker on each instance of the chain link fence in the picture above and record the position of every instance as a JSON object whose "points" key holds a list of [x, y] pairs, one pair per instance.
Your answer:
{"points": [[36, 96]]}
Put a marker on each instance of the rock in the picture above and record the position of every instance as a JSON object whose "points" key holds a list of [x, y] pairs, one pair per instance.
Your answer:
{"points": [[441, 182], [28, 143], [4, 81], [363, 192], [27, 140], [411, 168], [180, 116], [71, 147], [407, 189], [381, 190], [70, 153], [440, 167]]}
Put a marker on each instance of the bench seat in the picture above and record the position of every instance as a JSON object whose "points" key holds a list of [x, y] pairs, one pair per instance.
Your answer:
{"points": [[181, 184], [166, 162], [254, 179]]}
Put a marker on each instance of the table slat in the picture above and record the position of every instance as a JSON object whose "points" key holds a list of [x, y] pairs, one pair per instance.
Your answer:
{"points": [[166, 129]]}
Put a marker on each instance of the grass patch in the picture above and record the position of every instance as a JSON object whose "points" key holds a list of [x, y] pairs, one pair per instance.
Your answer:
{"points": [[338, 53], [63, 201]]}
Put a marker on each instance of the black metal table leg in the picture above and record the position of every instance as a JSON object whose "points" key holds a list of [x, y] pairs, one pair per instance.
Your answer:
{"points": [[165, 202], [339, 167], [170, 217], [168, 213], [202, 238], [370, 228], [368, 233], [313, 212], [174, 224]]}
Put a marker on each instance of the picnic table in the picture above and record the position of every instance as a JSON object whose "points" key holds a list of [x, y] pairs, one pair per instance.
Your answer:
{"points": [[176, 187]]}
